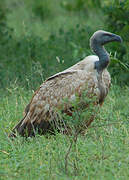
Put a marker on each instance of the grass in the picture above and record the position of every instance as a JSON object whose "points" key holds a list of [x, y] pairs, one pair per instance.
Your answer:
{"points": [[101, 154], [26, 60], [38, 42], [24, 20]]}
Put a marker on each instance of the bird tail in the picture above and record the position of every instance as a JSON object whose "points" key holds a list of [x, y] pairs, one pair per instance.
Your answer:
{"points": [[18, 129], [27, 129]]}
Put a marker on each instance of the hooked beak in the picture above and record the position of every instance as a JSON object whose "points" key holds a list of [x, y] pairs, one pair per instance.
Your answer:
{"points": [[117, 38]]}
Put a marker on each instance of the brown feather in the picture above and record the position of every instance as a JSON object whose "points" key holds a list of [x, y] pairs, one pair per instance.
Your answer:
{"points": [[89, 76], [40, 113]]}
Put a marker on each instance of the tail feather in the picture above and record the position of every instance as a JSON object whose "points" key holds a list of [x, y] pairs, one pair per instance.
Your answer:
{"points": [[19, 128], [28, 129]]}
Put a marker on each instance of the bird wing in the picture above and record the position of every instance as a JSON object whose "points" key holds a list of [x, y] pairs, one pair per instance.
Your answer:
{"points": [[62, 73], [51, 93]]}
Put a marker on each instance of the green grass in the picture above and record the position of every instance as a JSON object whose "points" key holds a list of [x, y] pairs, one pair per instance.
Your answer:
{"points": [[101, 154], [24, 20], [38, 42], [26, 60]]}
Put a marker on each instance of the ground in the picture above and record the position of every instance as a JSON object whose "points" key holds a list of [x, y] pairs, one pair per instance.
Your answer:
{"points": [[101, 153]]}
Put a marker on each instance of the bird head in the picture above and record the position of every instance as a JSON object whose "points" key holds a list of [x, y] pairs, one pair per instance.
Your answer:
{"points": [[103, 37]]}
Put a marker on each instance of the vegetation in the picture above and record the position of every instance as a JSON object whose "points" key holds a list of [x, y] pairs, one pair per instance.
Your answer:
{"points": [[117, 21], [101, 153], [38, 39]]}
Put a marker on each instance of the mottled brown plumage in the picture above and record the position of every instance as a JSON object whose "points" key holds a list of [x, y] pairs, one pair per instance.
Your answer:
{"points": [[41, 112]]}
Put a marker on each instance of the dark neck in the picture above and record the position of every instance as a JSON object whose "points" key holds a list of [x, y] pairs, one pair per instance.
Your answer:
{"points": [[103, 57]]}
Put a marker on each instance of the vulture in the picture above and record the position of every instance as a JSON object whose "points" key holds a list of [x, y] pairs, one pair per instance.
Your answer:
{"points": [[90, 74]]}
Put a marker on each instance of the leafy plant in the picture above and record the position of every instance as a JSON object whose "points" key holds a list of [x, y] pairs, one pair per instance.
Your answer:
{"points": [[81, 5], [42, 9], [83, 110], [5, 31], [61, 50], [117, 15]]}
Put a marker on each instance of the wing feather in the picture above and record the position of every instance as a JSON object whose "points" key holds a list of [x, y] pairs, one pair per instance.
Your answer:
{"points": [[50, 95], [54, 90]]}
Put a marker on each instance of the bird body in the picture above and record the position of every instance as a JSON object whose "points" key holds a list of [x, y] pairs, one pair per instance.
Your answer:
{"points": [[82, 76]]}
